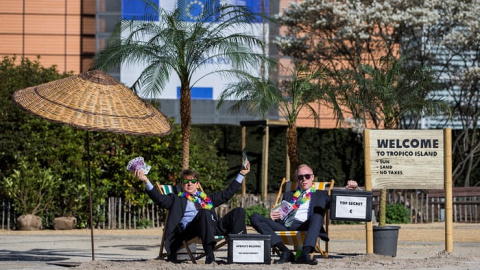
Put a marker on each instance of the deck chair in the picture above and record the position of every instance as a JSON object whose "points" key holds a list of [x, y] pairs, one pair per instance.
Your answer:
{"points": [[194, 256], [295, 238], [165, 190]]}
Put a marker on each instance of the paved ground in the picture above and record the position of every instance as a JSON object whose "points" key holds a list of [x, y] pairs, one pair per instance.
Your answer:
{"points": [[43, 251], [53, 250]]}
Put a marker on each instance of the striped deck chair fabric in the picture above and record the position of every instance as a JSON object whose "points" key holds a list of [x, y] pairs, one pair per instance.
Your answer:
{"points": [[295, 238]]}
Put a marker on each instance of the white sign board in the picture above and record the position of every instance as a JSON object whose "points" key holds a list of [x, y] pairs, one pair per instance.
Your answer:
{"points": [[407, 159], [351, 207], [248, 251]]}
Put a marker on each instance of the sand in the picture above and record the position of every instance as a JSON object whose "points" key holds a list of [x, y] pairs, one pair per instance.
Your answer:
{"points": [[420, 246]]}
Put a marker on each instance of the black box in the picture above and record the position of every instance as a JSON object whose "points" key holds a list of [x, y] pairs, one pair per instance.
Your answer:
{"points": [[351, 205], [249, 248]]}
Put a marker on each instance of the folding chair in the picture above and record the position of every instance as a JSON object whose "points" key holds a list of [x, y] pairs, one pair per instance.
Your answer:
{"points": [[165, 190], [296, 238], [194, 256]]}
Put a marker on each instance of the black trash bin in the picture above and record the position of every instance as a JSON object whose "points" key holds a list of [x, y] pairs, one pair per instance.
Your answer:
{"points": [[385, 240]]}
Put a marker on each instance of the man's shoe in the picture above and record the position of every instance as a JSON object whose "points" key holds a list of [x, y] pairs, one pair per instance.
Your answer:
{"points": [[284, 257], [172, 257], [306, 260], [209, 259]]}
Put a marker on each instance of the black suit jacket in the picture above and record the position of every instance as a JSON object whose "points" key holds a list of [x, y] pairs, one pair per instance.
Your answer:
{"points": [[177, 206], [319, 202]]}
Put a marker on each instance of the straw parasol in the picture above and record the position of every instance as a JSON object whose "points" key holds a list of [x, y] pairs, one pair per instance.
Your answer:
{"points": [[93, 101], [97, 102]]}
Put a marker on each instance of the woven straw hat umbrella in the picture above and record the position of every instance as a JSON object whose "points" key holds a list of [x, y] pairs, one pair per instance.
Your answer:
{"points": [[93, 101], [97, 102]]}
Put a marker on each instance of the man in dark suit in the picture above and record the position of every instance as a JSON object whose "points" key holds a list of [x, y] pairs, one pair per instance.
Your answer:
{"points": [[307, 215], [192, 213]]}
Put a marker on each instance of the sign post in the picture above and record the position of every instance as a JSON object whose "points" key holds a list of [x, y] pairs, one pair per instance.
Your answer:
{"points": [[448, 192]]}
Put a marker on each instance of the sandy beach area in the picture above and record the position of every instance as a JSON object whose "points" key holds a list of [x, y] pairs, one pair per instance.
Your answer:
{"points": [[420, 246]]}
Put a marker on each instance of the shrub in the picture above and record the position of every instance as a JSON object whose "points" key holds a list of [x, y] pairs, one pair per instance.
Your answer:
{"points": [[345, 222], [255, 209], [397, 214], [31, 187], [18, 127], [144, 224]]}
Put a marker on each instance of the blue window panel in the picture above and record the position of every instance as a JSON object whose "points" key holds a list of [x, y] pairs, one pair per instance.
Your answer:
{"points": [[189, 9], [136, 9], [199, 93], [256, 6]]}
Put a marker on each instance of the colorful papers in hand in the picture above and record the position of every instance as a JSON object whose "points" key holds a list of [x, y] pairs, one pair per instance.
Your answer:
{"points": [[284, 207], [138, 164]]}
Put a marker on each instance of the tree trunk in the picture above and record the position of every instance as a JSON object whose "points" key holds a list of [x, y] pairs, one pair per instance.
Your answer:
{"points": [[383, 208], [382, 220], [292, 147], [186, 119]]}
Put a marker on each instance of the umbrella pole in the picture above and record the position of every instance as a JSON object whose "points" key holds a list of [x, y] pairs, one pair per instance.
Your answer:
{"points": [[90, 195]]}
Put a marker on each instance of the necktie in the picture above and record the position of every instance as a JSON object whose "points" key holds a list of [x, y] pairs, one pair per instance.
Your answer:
{"points": [[302, 194]]}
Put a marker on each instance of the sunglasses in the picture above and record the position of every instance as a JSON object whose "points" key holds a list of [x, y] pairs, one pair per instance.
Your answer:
{"points": [[304, 176], [193, 181]]}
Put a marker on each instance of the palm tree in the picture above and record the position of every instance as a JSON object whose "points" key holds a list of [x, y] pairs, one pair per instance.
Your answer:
{"points": [[172, 46], [290, 97], [389, 95]]}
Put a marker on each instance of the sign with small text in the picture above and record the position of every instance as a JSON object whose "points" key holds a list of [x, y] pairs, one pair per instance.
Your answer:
{"points": [[407, 159], [248, 251], [351, 205], [248, 248]]}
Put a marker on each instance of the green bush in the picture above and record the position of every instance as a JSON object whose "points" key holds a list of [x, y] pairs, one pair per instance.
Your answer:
{"points": [[31, 187], [18, 127], [345, 222], [255, 209], [397, 214], [144, 224]]}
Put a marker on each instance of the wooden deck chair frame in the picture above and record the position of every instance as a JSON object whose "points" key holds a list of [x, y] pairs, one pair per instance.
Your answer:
{"points": [[295, 238], [194, 256]]}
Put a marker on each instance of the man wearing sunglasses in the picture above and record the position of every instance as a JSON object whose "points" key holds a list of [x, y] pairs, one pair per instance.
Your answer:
{"points": [[307, 215], [192, 212]]}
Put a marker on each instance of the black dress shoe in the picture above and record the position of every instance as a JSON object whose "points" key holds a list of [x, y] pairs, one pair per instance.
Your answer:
{"points": [[285, 257], [172, 257], [306, 260], [209, 259]]}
